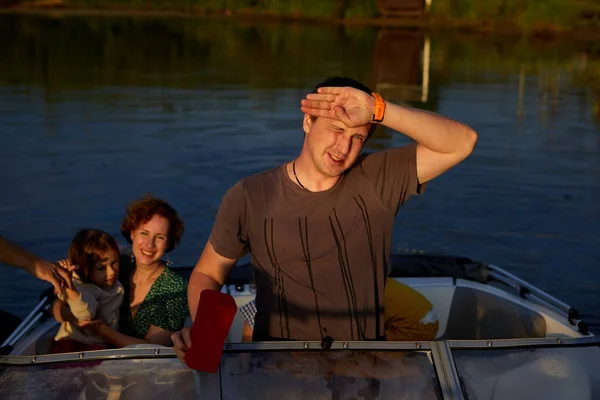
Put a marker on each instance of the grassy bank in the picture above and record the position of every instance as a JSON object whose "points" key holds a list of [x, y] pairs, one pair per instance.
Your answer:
{"points": [[536, 16]]}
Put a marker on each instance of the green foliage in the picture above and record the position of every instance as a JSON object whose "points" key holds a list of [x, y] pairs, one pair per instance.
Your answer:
{"points": [[310, 8], [362, 9], [525, 14]]}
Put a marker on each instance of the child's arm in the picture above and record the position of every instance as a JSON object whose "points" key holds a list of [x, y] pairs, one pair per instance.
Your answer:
{"points": [[84, 306], [82, 302], [70, 291], [62, 313]]}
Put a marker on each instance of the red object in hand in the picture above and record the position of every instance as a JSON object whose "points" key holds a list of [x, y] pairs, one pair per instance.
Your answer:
{"points": [[214, 316]]}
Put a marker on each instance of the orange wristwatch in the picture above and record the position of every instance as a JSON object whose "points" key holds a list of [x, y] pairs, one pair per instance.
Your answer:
{"points": [[379, 108]]}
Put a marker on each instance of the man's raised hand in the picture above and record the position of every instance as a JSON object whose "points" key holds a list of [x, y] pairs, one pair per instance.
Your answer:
{"points": [[351, 106]]}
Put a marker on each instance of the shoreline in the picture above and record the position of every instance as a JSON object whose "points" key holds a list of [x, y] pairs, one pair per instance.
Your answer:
{"points": [[428, 24]]}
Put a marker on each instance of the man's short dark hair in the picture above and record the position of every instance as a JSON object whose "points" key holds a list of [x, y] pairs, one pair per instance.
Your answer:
{"points": [[342, 81]]}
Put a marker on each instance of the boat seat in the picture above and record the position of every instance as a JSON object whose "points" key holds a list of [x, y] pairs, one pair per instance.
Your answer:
{"points": [[478, 315]]}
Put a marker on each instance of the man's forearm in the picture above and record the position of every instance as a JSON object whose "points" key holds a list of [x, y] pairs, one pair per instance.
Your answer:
{"points": [[433, 131], [199, 281], [14, 255]]}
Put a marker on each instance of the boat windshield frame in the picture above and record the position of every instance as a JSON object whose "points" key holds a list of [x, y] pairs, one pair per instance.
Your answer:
{"points": [[441, 352]]}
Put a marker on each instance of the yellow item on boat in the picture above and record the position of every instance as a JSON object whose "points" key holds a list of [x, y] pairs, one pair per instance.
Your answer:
{"points": [[408, 314]]}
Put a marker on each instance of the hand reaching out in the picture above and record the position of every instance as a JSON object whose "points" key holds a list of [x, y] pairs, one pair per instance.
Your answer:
{"points": [[58, 276], [66, 271], [17, 256], [351, 106]]}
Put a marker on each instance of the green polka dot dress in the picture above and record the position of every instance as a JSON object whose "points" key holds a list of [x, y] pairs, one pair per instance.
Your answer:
{"points": [[165, 306]]}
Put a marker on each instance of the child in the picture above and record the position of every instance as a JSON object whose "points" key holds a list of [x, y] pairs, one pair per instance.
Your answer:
{"points": [[97, 293]]}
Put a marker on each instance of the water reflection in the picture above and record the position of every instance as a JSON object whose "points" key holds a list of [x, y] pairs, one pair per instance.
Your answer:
{"points": [[75, 53], [401, 65], [401, 68], [65, 53], [97, 110]]}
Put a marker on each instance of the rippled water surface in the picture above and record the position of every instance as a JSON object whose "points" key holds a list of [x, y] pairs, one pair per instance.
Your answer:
{"points": [[96, 111]]}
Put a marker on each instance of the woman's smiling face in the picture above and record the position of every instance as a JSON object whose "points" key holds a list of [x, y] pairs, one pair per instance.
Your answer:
{"points": [[150, 240]]}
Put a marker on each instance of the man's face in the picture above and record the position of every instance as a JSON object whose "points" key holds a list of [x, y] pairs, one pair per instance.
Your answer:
{"points": [[333, 146]]}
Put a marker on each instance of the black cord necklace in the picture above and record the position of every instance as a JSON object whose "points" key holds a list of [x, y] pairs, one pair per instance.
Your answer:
{"points": [[296, 176]]}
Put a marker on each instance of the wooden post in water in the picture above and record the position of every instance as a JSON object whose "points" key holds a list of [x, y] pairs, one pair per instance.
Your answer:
{"points": [[401, 64], [425, 72], [521, 92]]}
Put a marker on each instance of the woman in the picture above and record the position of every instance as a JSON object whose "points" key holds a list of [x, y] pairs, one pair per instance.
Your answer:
{"points": [[155, 302]]}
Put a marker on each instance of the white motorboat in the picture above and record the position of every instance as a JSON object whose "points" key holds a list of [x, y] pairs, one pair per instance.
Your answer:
{"points": [[499, 338]]}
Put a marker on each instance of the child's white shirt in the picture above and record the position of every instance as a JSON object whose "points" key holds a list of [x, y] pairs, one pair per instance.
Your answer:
{"points": [[93, 303]]}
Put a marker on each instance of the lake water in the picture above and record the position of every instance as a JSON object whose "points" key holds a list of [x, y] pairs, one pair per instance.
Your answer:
{"points": [[97, 111]]}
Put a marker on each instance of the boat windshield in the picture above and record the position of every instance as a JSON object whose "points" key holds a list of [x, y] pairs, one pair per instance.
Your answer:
{"points": [[108, 379], [266, 375], [273, 371], [329, 375], [536, 373]]}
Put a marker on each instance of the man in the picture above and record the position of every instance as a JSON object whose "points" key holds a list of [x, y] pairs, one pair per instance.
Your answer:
{"points": [[14, 255], [408, 315], [319, 227]]}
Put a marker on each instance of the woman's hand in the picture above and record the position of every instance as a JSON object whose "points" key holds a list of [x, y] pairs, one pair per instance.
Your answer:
{"points": [[94, 325], [351, 106]]}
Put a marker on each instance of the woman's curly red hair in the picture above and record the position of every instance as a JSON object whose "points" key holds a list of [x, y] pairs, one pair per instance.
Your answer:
{"points": [[142, 210]]}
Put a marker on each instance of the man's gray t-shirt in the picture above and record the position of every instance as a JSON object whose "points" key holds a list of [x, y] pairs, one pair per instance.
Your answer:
{"points": [[320, 258]]}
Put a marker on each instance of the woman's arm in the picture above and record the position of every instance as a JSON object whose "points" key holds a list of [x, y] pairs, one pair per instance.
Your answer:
{"points": [[61, 313], [155, 335], [160, 336]]}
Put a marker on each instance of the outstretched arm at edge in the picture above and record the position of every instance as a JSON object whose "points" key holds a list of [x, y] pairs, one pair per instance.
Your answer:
{"points": [[16, 256]]}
